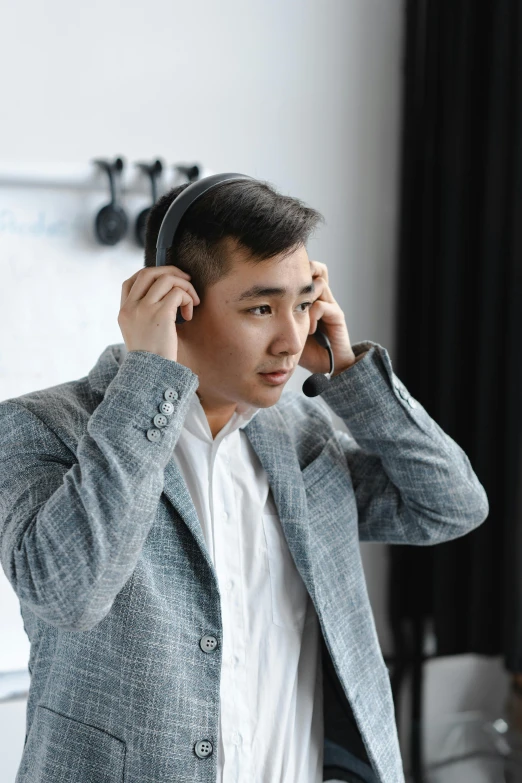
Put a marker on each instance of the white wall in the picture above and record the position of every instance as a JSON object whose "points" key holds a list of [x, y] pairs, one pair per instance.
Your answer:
{"points": [[303, 94]]}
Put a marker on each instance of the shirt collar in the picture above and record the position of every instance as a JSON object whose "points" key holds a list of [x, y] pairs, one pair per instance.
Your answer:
{"points": [[196, 420]]}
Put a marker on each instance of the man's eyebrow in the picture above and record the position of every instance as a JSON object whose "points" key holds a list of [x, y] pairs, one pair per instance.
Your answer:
{"points": [[258, 291]]}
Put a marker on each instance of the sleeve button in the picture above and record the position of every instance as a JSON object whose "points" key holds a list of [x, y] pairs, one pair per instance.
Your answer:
{"points": [[153, 434], [170, 394], [167, 408], [160, 420]]}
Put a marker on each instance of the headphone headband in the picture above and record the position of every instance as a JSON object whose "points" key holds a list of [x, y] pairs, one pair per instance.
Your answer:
{"points": [[180, 205]]}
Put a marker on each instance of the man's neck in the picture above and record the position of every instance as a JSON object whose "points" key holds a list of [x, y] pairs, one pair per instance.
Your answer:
{"points": [[216, 419]]}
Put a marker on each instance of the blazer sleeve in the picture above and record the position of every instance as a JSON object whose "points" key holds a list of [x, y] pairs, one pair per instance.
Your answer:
{"points": [[72, 526], [413, 483]]}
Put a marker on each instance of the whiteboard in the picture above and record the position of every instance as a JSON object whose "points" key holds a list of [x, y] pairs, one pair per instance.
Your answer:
{"points": [[59, 298]]}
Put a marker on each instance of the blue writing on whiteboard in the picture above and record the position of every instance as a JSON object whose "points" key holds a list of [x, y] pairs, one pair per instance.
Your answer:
{"points": [[40, 226]]}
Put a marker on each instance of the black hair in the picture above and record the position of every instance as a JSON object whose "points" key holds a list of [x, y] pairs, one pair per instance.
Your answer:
{"points": [[244, 214]]}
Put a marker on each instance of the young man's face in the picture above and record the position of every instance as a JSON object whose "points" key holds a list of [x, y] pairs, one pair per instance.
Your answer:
{"points": [[231, 340]]}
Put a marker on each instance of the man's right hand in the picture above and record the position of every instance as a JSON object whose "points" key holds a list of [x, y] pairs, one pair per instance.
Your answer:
{"points": [[148, 307]]}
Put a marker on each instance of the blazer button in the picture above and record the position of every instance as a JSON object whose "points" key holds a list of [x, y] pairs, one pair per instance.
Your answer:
{"points": [[208, 643], [167, 408], [160, 420], [203, 748], [398, 385], [170, 394], [153, 434]]}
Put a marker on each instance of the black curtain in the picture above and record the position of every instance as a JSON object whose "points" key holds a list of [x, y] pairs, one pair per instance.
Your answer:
{"points": [[459, 309]]}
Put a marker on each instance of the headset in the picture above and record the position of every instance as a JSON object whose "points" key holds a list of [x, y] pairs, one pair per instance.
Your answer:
{"points": [[315, 383]]}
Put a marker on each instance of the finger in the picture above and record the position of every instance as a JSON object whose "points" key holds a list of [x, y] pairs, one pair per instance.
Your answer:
{"points": [[322, 290], [178, 298], [316, 313], [148, 272], [319, 269], [126, 287], [329, 311], [164, 285], [154, 287]]}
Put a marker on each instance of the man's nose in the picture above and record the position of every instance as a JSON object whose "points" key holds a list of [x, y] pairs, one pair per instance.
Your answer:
{"points": [[288, 338]]}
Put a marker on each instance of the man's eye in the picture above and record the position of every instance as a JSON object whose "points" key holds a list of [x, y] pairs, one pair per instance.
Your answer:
{"points": [[260, 307]]}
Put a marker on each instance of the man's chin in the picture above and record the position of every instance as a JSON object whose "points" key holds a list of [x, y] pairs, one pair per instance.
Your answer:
{"points": [[264, 398]]}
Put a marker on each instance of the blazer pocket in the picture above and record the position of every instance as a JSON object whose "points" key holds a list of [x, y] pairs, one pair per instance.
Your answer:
{"points": [[322, 464], [62, 748], [288, 591]]}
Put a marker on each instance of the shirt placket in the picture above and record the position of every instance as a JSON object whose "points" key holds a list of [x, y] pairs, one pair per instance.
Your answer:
{"points": [[234, 713]]}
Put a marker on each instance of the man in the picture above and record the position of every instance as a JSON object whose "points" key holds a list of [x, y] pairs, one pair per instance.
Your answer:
{"points": [[184, 538]]}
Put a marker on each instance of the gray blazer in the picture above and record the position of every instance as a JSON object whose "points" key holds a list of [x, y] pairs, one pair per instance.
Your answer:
{"points": [[102, 544]]}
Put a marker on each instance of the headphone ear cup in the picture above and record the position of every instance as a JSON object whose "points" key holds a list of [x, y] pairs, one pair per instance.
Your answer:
{"points": [[141, 225], [111, 224]]}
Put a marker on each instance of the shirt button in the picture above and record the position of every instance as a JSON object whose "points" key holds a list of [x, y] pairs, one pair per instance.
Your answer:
{"points": [[236, 739], [170, 394], [153, 434]]}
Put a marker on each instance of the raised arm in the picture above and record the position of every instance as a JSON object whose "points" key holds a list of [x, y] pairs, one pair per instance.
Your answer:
{"points": [[413, 484], [72, 526]]}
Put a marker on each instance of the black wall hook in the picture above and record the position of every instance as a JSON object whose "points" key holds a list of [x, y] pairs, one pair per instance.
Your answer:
{"points": [[154, 172], [111, 222], [192, 173]]}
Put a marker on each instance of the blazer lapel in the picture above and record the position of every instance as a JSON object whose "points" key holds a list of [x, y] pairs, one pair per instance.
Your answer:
{"points": [[272, 443], [271, 440], [176, 491]]}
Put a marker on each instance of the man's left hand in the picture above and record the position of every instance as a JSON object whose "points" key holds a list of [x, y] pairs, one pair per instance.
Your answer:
{"points": [[332, 322]]}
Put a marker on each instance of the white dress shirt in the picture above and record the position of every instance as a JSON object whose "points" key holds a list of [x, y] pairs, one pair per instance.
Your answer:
{"points": [[271, 699]]}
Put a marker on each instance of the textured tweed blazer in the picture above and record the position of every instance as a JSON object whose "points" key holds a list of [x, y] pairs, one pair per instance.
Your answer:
{"points": [[101, 542]]}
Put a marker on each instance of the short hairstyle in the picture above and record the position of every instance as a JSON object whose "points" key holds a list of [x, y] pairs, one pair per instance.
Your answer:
{"points": [[249, 212]]}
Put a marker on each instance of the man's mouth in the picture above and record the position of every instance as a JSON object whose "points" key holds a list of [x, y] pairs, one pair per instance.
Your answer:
{"points": [[276, 377]]}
